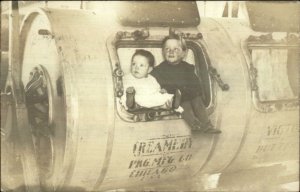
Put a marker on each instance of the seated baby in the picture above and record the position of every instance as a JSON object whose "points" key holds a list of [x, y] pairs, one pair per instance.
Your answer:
{"points": [[143, 89]]}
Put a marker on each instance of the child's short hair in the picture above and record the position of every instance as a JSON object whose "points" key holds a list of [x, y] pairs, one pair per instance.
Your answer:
{"points": [[146, 54], [177, 37]]}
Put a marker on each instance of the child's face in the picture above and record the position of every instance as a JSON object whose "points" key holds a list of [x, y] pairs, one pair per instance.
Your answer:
{"points": [[140, 66], [173, 52]]}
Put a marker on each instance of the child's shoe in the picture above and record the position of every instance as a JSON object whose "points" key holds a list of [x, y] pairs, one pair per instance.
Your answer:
{"points": [[209, 128], [196, 126], [205, 128], [130, 92]]}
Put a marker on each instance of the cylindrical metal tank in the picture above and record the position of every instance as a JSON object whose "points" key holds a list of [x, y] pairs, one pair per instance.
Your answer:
{"points": [[67, 68]]}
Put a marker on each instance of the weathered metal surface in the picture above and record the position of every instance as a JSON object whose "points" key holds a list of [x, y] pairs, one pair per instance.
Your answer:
{"points": [[178, 14], [72, 59], [269, 137], [274, 16], [95, 149]]}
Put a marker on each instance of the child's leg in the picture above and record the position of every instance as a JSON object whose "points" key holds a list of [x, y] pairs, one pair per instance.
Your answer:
{"points": [[199, 110], [188, 115], [130, 101]]}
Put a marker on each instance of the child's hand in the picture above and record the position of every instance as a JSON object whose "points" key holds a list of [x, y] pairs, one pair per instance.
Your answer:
{"points": [[163, 91]]}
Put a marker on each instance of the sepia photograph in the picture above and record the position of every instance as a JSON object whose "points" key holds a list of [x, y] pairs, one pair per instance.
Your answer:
{"points": [[150, 96]]}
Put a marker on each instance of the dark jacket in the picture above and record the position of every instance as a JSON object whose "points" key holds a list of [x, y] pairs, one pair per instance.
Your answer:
{"points": [[181, 76]]}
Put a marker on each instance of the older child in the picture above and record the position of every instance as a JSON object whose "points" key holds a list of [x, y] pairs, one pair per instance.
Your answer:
{"points": [[173, 74], [142, 88]]}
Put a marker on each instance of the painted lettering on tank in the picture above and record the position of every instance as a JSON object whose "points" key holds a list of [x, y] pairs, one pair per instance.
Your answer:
{"points": [[161, 145], [156, 157], [281, 141], [282, 130], [152, 173]]}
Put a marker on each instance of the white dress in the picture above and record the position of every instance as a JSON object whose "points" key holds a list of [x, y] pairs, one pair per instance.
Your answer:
{"points": [[147, 91]]}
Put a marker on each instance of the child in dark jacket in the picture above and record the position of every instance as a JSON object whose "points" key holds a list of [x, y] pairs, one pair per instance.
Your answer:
{"points": [[175, 74]]}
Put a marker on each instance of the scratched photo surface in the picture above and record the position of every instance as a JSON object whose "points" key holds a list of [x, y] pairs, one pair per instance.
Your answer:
{"points": [[95, 98]]}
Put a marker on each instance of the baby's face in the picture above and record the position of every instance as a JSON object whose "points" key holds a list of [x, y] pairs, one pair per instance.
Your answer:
{"points": [[140, 66], [173, 52]]}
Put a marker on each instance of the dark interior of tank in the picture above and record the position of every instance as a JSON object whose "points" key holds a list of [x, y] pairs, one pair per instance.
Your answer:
{"points": [[196, 55]]}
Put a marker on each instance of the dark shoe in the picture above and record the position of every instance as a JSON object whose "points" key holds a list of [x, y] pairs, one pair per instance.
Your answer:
{"points": [[209, 128], [177, 99], [196, 126], [212, 131], [130, 92]]}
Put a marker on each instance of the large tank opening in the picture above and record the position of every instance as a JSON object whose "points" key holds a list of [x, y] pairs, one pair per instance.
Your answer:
{"points": [[277, 72], [274, 71], [194, 56]]}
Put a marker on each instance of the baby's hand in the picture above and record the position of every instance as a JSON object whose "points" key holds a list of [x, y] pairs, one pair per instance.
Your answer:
{"points": [[163, 91], [130, 90]]}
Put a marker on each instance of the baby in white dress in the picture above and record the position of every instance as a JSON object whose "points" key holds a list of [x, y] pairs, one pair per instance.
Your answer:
{"points": [[148, 92]]}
